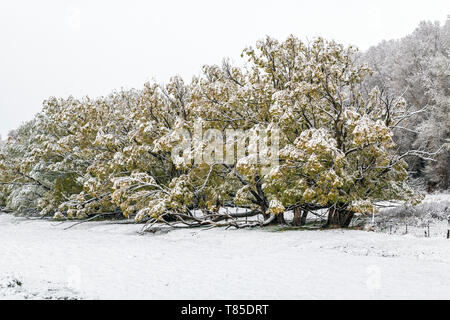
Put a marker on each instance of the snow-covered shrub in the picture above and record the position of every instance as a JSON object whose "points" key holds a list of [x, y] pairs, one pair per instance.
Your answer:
{"points": [[423, 215], [23, 200], [439, 210]]}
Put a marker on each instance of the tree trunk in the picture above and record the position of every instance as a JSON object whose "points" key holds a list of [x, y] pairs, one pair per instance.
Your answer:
{"points": [[299, 217], [280, 218], [296, 222], [263, 211], [304, 216], [339, 218], [446, 179]]}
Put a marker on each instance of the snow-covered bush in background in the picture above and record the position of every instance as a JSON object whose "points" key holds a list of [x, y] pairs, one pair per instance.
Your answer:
{"points": [[436, 210], [417, 68], [430, 218]]}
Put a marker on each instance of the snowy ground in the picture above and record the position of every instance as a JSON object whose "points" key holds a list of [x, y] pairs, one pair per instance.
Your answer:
{"points": [[100, 260]]}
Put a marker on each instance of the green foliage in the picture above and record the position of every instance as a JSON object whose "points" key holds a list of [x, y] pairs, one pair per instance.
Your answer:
{"points": [[89, 156]]}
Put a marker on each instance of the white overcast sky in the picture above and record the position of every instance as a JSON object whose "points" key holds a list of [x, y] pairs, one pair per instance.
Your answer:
{"points": [[60, 48]]}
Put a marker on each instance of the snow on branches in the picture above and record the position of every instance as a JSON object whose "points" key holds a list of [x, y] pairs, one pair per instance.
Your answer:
{"points": [[334, 149]]}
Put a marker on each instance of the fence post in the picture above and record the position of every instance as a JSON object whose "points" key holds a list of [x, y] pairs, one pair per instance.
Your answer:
{"points": [[448, 228]]}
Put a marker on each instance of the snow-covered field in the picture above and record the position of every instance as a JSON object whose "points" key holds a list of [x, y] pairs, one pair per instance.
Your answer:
{"points": [[100, 260]]}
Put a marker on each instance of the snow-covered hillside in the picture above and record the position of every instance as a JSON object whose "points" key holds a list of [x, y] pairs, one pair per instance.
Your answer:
{"points": [[101, 260]]}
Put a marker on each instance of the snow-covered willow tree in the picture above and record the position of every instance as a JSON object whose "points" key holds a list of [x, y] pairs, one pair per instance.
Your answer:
{"points": [[336, 146], [337, 150], [115, 154]]}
